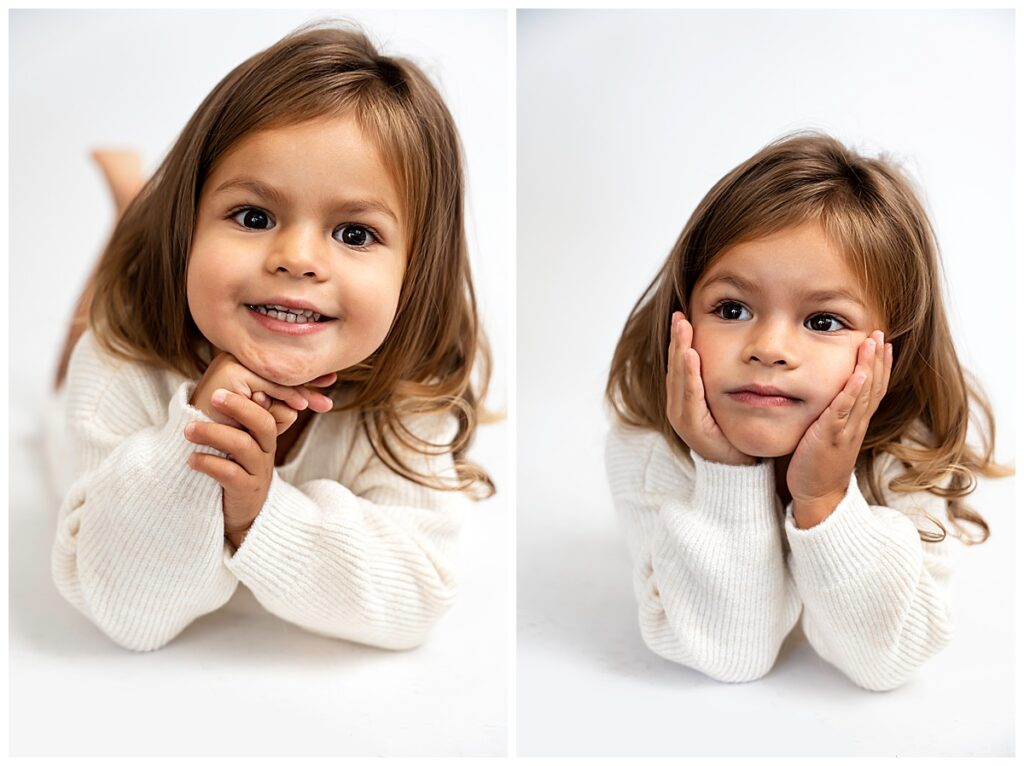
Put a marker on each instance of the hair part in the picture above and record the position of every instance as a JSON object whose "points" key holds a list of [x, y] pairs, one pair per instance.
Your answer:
{"points": [[436, 357], [869, 209]]}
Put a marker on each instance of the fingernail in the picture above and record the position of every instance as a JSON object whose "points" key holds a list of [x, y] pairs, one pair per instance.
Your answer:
{"points": [[871, 344], [219, 396], [189, 430]]}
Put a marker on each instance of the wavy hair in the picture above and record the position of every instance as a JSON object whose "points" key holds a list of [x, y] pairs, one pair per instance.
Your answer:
{"points": [[869, 208], [435, 357]]}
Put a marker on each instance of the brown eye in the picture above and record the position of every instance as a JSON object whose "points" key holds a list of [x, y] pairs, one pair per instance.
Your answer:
{"points": [[252, 218], [824, 323], [355, 235], [730, 310]]}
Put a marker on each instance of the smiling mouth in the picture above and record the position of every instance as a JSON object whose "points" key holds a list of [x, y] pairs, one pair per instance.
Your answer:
{"points": [[290, 315]]}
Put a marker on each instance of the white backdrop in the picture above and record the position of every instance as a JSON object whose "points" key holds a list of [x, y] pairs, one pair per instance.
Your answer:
{"points": [[625, 120], [240, 681]]}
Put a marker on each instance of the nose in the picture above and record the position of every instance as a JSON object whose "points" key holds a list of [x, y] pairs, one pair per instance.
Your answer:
{"points": [[772, 344], [298, 252]]}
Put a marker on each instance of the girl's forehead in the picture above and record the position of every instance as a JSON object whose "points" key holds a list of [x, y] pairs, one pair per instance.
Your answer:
{"points": [[799, 253]]}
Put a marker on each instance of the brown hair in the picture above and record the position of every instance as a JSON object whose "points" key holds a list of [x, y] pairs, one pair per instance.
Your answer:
{"points": [[435, 357], [869, 208]]}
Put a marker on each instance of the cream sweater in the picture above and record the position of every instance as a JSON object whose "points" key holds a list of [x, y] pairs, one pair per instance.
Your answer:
{"points": [[721, 572], [343, 546]]}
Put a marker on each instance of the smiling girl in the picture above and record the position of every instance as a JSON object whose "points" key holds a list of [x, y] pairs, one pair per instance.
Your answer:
{"points": [[791, 424], [305, 232]]}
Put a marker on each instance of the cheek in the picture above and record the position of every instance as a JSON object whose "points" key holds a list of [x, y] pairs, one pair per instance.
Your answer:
{"points": [[203, 283], [712, 350], [833, 370], [375, 301]]}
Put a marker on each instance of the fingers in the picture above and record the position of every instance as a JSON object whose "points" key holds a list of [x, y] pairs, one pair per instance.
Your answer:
{"points": [[864, 389], [253, 417], [675, 384], [673, 372], [693, 396], [287, 394], [686, 405], [225, 472], [885, 352], [284, 416], [324, 380], [317, 401], [239, 445], [879, 361], [296, 397]]}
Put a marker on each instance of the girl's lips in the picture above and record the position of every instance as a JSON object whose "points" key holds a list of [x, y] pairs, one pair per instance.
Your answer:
{"points": [[288, 328], [757, 400]]}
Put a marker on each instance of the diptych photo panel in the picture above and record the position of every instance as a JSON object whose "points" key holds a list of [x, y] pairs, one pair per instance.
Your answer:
{"points": [[512, 382], [765, 430], [260, 498]]}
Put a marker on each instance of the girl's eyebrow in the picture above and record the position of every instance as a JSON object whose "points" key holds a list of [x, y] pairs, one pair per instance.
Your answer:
{"points": [[269, 192], [818, 295]]}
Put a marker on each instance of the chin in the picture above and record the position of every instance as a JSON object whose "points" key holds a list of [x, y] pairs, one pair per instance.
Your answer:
{"points": [[760, 443], [282, 370]]}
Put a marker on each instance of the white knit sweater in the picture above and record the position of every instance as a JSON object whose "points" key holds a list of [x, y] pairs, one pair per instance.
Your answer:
{"points": [[343, 546], [721, 571]]}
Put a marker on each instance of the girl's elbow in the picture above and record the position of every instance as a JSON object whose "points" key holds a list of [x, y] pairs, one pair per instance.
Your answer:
{"points": [[723, 661], [896, 667], [393, 623], [138, 638]]}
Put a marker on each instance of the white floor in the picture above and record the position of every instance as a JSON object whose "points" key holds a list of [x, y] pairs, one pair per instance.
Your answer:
{"points": [[241, 681], [587, 685]]}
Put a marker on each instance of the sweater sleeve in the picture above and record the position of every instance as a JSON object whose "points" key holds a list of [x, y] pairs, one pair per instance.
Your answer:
{"points": [[139, 548], [875, 596], [709, 570], [371, 562]]}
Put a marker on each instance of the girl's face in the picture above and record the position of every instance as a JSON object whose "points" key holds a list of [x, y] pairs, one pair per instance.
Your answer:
{"points": [[301, 217], [782, 311]]}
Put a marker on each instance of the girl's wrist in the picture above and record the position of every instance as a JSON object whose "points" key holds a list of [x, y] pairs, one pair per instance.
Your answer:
{"points": [[811, 512], [236, 538]]}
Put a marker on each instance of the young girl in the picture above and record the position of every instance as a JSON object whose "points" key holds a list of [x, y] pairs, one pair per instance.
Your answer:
{"points": [[791, 424], [275, 385]]}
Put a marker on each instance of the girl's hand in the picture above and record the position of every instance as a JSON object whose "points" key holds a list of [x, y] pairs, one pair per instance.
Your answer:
{"points": [[246, 472], [226, 372], [819, 470], [686, 406]]}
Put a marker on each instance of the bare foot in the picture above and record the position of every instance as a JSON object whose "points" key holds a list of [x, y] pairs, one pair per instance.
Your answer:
{"points": [[122, 169]]}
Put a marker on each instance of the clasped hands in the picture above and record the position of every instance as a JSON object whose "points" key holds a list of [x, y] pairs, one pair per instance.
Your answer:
{"points": [[249, 413], [820, 467]]}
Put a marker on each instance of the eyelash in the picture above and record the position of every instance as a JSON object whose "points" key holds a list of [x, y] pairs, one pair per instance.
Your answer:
{"points": [[372, 232], [717, 310]]}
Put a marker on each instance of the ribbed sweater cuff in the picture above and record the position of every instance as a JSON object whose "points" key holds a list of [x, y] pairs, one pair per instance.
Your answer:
{"points": [[280, 543], [847, 543], [169, 461], [735, 495]]}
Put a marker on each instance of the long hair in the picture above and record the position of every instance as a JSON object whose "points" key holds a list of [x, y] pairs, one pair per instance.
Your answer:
{"points": [[435, 357], [869, 209]]}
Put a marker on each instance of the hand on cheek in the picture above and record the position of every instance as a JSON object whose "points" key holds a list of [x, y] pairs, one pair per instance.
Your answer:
{"points": [[819, 470], [686, 406]]}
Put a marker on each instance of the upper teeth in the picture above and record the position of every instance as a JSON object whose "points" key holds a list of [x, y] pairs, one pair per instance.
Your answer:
{"points": [[287, 314]]}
